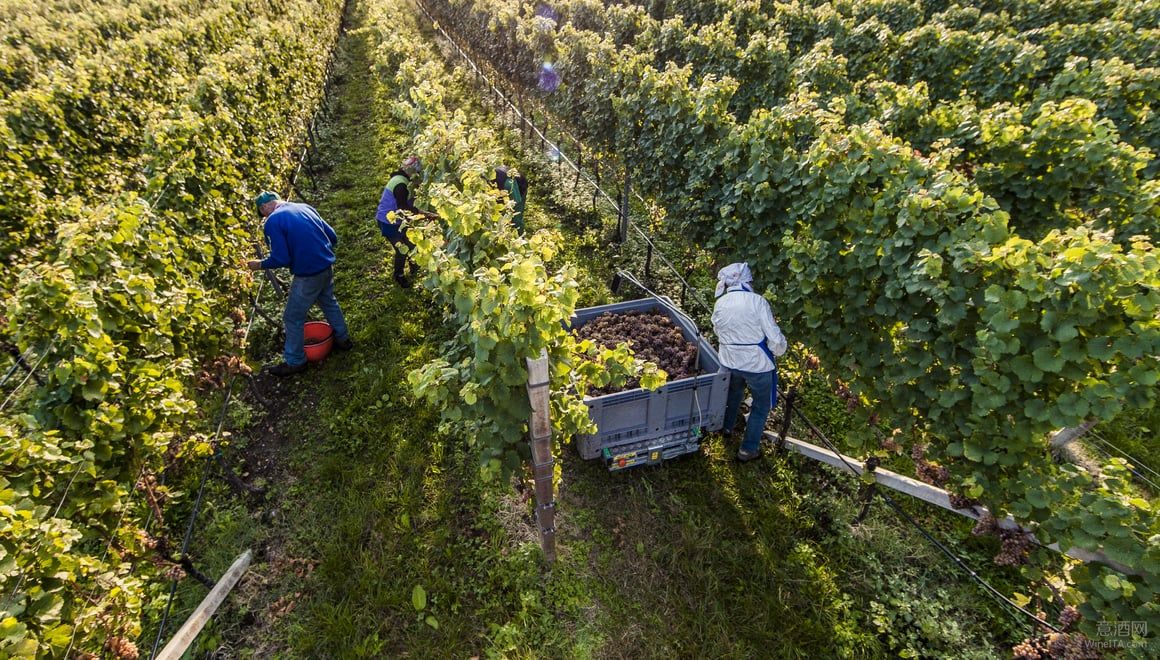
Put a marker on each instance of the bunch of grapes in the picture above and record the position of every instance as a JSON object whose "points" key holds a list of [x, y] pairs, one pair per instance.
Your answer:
{"points": [[155, 494], [932, 473], [173, 572], [652, 336], [961, 501], [121, 648], [238, 316], [1016, 546], [846, 394], [216, 374], [1026, 650], [1056, 646], [986, 525]]}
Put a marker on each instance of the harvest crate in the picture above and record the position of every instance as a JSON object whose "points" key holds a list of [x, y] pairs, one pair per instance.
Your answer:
{"points": [[638, 427]]}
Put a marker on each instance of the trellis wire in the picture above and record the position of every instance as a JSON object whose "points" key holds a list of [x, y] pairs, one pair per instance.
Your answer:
{"points": [[563, 156], [995, 593], [204, 477], [20, 359], [31, 371], [1141, 477], [1099, 438]]}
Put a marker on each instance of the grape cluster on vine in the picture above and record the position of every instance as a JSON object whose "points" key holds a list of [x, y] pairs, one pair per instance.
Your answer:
{"points": [[932, 473], [121, 648], [986, 525], [217, 374], [1016, 546], [844, 393], [1056, 646], [961, 501]]}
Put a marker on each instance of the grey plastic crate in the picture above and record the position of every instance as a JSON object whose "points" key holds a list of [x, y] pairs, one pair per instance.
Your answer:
{"points": [[638, 426]]}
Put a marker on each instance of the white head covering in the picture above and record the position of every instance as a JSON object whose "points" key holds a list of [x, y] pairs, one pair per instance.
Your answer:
{"points": [[733, 275]]}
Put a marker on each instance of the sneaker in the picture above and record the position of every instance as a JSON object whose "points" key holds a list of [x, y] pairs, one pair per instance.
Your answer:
{"points": [[344, 345], [403, 282], [283, 369], [746, 456]]}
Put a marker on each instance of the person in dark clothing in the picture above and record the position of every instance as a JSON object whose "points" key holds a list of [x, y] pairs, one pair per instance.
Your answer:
{"points": [[397, 196], [300, 240], [516, 186]]}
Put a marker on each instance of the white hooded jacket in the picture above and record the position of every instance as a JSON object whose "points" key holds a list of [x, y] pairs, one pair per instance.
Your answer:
{"points": [[742, 319]]}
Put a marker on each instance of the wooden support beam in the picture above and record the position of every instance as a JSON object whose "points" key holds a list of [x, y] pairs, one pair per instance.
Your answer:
{"points": [[1064, 445], [1066, 436], [201, 616], [543, 465], [622, 218], [933, 495]]}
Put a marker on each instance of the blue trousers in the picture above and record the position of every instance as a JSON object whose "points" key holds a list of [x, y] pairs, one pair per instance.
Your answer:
{"points": [[764, 388], [304, 292]]}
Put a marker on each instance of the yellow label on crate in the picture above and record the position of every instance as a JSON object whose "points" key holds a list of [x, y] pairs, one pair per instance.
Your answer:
{"points": [[656, 456]]}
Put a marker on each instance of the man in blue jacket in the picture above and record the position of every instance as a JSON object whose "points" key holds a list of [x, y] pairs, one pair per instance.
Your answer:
{"points": [[300, 240]]}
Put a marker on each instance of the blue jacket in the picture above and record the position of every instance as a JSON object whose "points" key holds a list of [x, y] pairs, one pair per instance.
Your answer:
{"points": [[299, 239]]}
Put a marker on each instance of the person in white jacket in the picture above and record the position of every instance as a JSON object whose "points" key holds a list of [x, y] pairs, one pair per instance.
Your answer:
{"points": [[749, 341]]}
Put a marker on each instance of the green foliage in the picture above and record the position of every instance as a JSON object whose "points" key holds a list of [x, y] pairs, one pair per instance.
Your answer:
{"points": [[495, 286], [917, 624], [981, 292], [129, 296], [75, 132]]}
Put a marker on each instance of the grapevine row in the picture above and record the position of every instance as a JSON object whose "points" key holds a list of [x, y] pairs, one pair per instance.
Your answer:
{"points": [[77, 133], [40, 37], [131, 297], [900, 270], [497, 288], [1081, 146]]}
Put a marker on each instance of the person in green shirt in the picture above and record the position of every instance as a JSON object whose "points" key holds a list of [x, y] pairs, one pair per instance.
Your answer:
{"points": [[516, 186], [398, 197]]}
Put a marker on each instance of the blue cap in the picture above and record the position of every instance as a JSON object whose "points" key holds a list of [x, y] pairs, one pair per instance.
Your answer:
{"points": [[265, 197]]}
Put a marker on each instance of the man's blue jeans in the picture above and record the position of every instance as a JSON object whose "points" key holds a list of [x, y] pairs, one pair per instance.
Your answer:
{"points": [[304, 292], [764, 388]]}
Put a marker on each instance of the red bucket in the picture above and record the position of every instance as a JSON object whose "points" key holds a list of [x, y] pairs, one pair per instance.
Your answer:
{"points": [[319, 340]]}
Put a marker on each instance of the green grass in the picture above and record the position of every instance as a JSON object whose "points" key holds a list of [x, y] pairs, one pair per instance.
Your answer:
{"points": [[701, 557]]}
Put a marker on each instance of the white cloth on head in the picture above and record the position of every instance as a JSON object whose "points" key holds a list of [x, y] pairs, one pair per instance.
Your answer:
{"points": [[733, 275]]}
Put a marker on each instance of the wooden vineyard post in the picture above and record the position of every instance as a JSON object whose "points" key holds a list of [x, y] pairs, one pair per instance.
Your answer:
{"points": [[201, 616], [579, 162], [622, 220], [540, 434]]}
